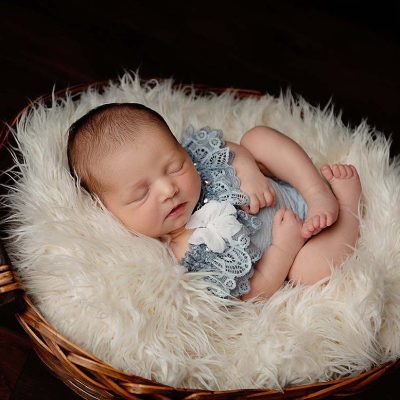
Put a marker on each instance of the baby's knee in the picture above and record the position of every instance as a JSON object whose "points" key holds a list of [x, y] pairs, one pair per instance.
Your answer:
{"points": [[309, 268]]}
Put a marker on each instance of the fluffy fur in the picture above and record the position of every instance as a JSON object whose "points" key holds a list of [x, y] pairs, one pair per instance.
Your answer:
{"points": [[122, 298]]}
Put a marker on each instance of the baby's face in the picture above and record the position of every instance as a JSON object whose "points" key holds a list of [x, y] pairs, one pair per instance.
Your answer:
{"points": [[146, 179]]}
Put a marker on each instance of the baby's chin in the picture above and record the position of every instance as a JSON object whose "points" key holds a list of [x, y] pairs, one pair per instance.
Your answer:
{"points": [[157, 235], [177, 230]]}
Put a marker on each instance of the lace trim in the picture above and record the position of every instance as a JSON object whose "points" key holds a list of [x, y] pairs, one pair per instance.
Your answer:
{"points": [[231, 270], [212, 159]]}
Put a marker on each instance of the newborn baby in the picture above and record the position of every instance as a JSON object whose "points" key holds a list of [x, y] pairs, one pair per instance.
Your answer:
{"points": [[126, 155]]}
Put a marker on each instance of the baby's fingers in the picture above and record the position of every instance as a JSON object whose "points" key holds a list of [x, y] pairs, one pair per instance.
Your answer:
{"points": [[253, 207], [245, 208], [254, 204], [270, 196]]}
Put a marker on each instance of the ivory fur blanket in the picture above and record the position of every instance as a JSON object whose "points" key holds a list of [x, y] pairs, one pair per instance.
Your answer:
{"points": [[122, 297]]}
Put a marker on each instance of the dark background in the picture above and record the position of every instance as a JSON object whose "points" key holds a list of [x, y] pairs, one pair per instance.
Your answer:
{"points": [[344, 51]]}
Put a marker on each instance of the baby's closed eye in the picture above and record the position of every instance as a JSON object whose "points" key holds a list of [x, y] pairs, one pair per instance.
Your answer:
{"points": [[177, 167], [137, 196], [141, 195]]}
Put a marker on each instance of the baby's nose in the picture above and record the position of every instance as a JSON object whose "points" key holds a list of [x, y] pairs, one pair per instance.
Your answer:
{"points": [[169, 188]]}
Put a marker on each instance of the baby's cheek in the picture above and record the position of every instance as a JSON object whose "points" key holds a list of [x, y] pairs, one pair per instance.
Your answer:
{"points": [[151, 219], [143, 224], [129, 222], [132, 220], [192, 184]]}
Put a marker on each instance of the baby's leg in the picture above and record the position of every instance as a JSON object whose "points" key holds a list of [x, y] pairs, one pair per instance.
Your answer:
{"points": [[335, 243], [283, 158]]}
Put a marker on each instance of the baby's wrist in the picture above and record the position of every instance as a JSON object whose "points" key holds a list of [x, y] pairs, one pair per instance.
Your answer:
{"points": [[285, 254]]}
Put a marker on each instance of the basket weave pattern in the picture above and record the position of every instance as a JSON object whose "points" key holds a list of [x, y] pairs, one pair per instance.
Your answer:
{"points": [[92, 378]]}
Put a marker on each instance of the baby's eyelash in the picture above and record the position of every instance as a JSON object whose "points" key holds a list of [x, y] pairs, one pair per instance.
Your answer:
{"points": [[176, 170], [145, 193], [142, 197]]}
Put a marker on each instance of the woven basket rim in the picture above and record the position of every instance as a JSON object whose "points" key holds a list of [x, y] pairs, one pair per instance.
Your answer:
{"points": [[98, 375]]}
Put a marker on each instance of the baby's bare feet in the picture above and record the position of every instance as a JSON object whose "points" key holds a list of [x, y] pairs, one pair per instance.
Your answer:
{"points": [[345, 184], [323, 210]]}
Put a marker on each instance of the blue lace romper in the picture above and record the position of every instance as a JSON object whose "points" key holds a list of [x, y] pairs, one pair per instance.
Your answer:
{"points": [[231, 270]]}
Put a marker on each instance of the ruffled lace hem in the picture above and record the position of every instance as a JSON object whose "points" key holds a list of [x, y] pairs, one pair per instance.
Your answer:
{"points": [[229, 271], [212, 160]]}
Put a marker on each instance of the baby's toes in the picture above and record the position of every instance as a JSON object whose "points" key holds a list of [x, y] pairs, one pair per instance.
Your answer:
{"points": [[322, 221], [307, 229], [310, 224], [326, 171], [347, 171], [330, 219], [351, 170], [342, 171], [315, 222], [336, 170]]}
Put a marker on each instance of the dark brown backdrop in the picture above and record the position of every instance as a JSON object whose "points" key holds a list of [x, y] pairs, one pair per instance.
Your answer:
{"points": [[344, 51]]}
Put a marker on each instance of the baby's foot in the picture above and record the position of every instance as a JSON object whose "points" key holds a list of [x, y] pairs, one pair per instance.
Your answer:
{"points": [[345, 184], [323, 210]]}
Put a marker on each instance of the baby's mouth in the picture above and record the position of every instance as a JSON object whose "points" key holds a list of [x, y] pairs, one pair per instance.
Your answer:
{"points": [[177, 210]]}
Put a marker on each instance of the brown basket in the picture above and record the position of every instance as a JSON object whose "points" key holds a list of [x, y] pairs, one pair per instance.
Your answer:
{"points": [[92, 378]]}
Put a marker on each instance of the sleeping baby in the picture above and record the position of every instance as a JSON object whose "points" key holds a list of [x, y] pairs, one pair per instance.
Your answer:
{"points": [[249, 215]]}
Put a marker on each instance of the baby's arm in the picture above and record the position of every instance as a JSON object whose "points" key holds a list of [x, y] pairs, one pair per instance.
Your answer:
{"points": [[286, 160], [252, 179], [273, 267], [244, 158], [282, 156]]}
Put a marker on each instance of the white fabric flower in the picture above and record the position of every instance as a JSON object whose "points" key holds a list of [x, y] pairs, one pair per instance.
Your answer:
{"points": [[214, 222]]}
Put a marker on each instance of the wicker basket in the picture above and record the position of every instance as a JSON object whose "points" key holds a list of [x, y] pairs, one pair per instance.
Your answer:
{"points": [[92, 378]]}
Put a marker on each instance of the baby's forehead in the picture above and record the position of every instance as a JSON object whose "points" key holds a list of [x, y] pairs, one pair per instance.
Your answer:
{"points": [[160, 143], [122, 134], [156, 137]]}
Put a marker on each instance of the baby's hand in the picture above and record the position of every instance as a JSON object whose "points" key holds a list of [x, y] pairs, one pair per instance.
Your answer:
{"points": [[286, 232], [258, 187]]}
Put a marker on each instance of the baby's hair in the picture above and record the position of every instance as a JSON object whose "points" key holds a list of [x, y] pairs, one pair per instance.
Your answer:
{"points": [[101, 130]]}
